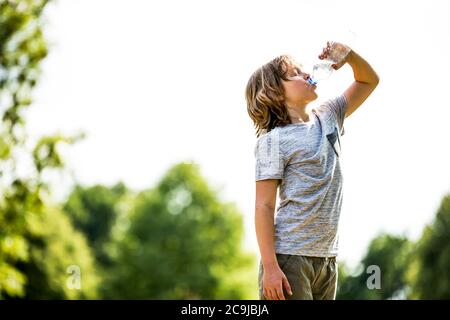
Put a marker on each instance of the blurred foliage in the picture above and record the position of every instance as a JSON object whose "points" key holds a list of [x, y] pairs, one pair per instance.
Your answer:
{"points": [[176, 241], [409, 270], [54, 247], [94, 211], [429, 273], [181, 243], [392, 255], [22, 47], [37, 242]]}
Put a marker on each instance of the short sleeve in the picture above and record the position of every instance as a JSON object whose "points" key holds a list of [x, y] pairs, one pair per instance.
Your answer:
{"points": [[269, 159], [337, 108]]}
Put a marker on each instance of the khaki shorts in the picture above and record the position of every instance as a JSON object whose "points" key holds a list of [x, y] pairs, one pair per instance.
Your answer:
{"points": [[310, 278]]}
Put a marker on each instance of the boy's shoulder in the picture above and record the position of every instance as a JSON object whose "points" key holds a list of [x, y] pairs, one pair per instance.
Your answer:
{"points": [[268, 135], [323, 106], [269, 139]]}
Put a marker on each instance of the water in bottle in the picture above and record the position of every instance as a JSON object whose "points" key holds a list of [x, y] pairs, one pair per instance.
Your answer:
{"points": [[323, 69]]}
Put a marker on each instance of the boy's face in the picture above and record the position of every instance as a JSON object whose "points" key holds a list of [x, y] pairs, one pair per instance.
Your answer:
{"points": [[297, 89]]}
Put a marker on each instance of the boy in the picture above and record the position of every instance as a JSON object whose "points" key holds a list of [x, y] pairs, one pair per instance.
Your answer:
{"points": [[298, 150]]}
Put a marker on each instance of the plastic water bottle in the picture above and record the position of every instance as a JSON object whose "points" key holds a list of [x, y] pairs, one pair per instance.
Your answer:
{"points": [[323, 69]]}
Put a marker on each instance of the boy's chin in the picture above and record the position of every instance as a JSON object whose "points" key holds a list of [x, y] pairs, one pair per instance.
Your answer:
{"points": [[313, 97]]}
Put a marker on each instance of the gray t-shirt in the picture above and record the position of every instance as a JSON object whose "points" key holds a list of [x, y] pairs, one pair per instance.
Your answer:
{"points": [[305, 157]]}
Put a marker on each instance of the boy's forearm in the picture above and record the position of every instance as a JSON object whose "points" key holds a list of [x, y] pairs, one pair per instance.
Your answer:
{"points": [[362, 70], [264, 225]]}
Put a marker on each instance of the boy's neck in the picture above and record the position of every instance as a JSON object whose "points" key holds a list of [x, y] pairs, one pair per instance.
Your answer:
{"points": [[297, 113]]}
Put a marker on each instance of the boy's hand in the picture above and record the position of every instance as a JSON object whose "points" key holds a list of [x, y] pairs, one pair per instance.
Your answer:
{"points": [[273, 282], [332, 51]]}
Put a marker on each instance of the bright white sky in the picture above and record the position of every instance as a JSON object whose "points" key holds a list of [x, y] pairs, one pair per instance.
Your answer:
{"points": [[153, 83]]}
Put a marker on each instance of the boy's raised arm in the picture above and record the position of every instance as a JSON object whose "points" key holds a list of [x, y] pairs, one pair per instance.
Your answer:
{"points": [[366, 80]]}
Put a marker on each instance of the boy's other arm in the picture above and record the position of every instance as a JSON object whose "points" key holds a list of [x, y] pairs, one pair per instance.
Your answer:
{"points": [[366, 80], [266, 192], [274, 280]]}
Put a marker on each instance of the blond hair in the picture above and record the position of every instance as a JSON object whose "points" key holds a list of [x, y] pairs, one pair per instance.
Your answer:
{"points": [[266, 97]]}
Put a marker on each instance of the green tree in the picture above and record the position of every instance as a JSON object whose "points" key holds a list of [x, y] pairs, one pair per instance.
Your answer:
{"points": [[182, 243], [36, 241], [94, 210], [22, 47], [429, 273], [392, 255], [54, 249]]}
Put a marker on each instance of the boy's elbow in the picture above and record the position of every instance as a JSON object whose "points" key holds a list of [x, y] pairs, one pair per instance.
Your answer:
{"points": [[264, 207]]}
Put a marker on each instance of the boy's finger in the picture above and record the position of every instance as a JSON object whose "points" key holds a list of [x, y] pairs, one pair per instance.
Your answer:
{"points": [[270, 294], [287, 286], [280, 295], [280, 292], [273, 294]]}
